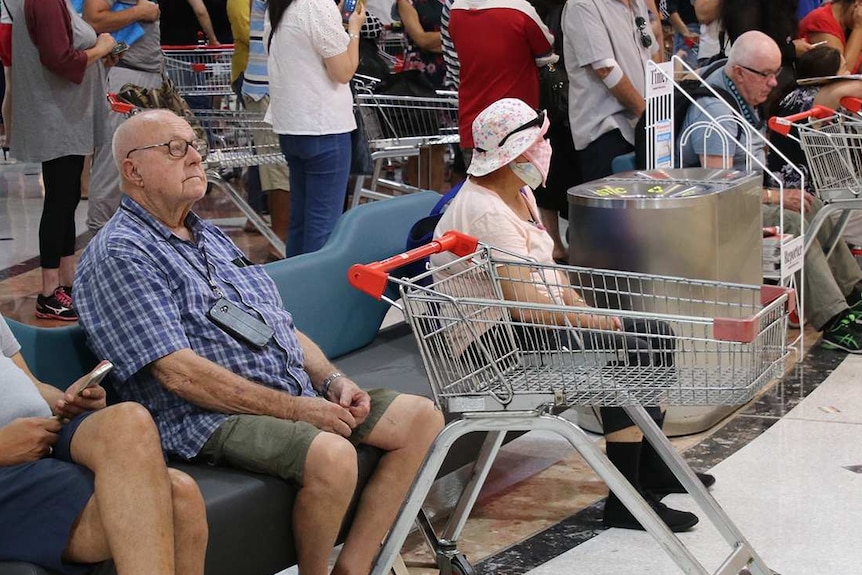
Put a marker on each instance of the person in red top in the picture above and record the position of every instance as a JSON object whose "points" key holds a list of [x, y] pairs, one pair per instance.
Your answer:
{"points": [[830, 23], [500, 46]]}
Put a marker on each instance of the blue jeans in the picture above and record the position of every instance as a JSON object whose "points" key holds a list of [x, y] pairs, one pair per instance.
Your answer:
{"points": [[319, 168], [689, 53]]}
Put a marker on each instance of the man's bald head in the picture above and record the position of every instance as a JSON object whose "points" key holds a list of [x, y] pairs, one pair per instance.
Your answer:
{"points": [[753, 46], [142, 129]]}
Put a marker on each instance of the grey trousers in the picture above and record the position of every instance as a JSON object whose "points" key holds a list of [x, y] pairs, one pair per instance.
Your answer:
{"points": [[827, 282], [105, 191]]}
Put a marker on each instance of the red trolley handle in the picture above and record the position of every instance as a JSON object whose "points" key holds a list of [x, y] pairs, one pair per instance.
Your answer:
{"points": [[194, 47], [783, 125], [851, 104], [118, 105], [372, 278], [745, 330]]}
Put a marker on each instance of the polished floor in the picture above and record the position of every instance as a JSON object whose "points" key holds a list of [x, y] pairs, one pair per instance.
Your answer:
{"points": [[789, 465]]}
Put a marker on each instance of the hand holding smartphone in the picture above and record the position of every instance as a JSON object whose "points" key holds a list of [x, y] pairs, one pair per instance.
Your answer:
{"points": [[119, 48], [95, 378]]}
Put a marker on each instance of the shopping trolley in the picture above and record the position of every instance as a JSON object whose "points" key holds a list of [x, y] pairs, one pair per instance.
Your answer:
{"points": [[236, 139], [832, 143], [509, 366], [397, 127], [199, 70]]}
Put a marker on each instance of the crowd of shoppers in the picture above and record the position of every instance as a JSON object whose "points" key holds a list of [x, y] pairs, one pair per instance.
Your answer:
{"points": [[154, 258]]}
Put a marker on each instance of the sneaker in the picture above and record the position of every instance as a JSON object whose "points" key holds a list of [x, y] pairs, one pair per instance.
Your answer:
{"points": [[55, 306], [843, 334], [617, 515]]}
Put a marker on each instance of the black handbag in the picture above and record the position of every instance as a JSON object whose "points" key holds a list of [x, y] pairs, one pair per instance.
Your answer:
{"points": [[554, 93]]}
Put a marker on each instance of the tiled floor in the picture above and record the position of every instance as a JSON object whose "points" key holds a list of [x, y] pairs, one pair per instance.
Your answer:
{"points": [[788, 467]]}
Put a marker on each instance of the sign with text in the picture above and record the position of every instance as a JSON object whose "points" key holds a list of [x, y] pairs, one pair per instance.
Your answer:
{"points": [[792, 256]]}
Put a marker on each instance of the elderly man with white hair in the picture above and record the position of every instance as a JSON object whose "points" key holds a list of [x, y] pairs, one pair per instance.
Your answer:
{"points": [[833, 301], [200, 336]]}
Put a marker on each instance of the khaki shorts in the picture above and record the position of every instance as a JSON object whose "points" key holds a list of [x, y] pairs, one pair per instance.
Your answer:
{"points": [[273, 446], [272, 176]]}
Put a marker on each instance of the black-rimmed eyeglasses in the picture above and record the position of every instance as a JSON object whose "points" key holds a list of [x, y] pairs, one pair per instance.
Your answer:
{"points": [[646, 39], [764, 75], [536, 122], [178, 148]]}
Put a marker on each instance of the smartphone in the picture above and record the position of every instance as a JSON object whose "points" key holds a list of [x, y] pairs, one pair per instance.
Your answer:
{"points": [[96, 377], [119, 48], [349, 7]]}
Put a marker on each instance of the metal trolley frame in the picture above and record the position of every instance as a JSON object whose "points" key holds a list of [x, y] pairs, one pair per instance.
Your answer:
{"points": [[832, 143], [398, 126], [199, 70], [509, 366]]}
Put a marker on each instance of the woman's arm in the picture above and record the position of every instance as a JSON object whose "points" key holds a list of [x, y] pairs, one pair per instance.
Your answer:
{"points": [[341, 67], [50, 30], [426, 41], [204, 21], [520, 285]]}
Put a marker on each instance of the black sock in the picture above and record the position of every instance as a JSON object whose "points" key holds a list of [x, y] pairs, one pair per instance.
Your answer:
{"points": [[626, 457]]}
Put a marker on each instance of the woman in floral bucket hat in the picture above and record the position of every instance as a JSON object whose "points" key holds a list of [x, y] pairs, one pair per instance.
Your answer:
{"points": [[496, 205]]}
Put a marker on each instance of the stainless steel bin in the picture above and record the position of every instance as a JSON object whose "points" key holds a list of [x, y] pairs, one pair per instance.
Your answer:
{"points": [[692, 223]]}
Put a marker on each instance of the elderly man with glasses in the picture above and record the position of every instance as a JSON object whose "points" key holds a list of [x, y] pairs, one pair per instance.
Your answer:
{"points": [[199, 335], [833, 302], [606, 44]]}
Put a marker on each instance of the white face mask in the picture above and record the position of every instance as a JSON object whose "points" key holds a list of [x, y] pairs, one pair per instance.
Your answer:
{"points": [[528, 173]]}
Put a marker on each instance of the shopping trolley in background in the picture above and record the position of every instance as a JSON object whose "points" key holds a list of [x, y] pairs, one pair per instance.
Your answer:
{"points": [[397, 127], [720, 344], [832, 143], [199, 70], [236, 140]]}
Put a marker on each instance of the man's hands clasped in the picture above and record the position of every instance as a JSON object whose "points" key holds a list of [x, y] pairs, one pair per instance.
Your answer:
{"points": [[342, 411]]}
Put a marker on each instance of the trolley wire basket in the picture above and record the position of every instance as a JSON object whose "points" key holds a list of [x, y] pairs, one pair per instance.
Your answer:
{"points": [[408, 121], [503, 365], [831, 141], [685, 342], [199, 70]]}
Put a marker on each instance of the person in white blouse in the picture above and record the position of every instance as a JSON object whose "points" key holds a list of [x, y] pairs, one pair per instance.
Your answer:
{"points": [[311, 60]]}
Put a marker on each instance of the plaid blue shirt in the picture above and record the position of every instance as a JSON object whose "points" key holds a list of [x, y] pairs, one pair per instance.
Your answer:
{"points": [[141, 293]]}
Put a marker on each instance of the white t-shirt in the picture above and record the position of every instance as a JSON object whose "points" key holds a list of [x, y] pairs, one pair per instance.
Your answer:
{"points": [[304, 100], [20, 396]]}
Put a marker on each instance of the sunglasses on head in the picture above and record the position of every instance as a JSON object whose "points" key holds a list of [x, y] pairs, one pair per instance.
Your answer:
{"points": [[536, 122], [646, 40]]}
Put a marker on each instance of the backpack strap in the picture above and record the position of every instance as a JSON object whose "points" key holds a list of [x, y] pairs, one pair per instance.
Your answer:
{"points": [[447, 197]]}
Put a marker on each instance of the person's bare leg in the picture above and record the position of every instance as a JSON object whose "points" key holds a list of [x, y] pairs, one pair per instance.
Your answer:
{"points": [[7, 105], [67, 270], [279, 212], [405, 431], [88, 542], [133, 498], [50, 280], [328, 482], [190, 524]]}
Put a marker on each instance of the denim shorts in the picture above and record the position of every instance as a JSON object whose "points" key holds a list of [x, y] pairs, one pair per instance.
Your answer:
{"points": [[40, 502]]}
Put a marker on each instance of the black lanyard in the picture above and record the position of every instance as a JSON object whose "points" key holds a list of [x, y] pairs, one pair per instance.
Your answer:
{"points": [[206, 275]]}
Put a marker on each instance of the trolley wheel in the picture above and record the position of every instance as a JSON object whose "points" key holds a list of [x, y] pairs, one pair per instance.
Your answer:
{"points": [[456, 564]]}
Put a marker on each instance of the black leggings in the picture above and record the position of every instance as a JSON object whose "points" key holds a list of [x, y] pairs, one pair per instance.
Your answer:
{"points": [[62, 179]]}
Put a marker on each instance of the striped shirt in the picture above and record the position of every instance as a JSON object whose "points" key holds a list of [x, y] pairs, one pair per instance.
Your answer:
{"points": [[256, 82], [142, 293], [450, 56]]}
